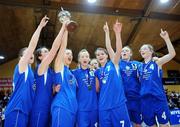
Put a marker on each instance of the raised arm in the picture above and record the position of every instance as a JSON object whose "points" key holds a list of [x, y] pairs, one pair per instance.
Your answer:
{"points": [[23, 62], [117, 29], [59, 62], [171, 51], [108, 42], [48, 59]]}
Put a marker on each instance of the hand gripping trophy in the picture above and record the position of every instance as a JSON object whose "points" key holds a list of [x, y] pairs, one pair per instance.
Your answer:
{"points": [[65, 16]]}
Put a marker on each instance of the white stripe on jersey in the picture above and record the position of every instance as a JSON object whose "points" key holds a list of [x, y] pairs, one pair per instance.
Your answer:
{"points": [[45, 77], [117, 69], [62, 73], [26, 74]]}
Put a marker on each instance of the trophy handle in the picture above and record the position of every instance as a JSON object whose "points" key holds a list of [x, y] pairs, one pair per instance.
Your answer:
{"points": [[71, 26]]}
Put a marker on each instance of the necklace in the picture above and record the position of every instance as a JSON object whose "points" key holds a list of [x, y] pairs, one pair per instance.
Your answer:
{"points": [[87, 80], [103, 74], [145, 67]]}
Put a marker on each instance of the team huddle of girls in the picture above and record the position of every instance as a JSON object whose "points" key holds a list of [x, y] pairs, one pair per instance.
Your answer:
{"points": [[110, 91]]}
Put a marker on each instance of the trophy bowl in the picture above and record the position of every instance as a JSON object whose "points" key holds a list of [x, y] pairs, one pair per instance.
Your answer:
{"points": [[71, 26]]}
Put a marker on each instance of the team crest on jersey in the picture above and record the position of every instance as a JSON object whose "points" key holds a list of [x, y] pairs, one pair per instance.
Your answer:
{"points": [[91, 73], [134, 66], [108, 68]]}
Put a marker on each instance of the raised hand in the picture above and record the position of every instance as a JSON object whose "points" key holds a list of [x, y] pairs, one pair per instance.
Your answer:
{"points": [[44, 21], [155, 58], [164, 34], [117, 27], [106, 28]]}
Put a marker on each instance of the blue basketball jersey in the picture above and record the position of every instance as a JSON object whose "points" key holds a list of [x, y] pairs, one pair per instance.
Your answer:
{"points": [[111, 89], [44, 90], [24, 90], [151, 80], [130, 78], [66, 97], [86, 92]]}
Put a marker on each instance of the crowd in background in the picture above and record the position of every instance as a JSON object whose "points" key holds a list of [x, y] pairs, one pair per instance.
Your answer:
{"points": [[172, 97], [4, 98]]}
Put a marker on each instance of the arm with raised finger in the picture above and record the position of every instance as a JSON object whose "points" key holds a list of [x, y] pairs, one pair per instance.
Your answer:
{"points": [[171, 51]]}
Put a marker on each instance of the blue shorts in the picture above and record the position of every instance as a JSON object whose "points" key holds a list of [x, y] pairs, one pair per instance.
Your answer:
{"points": [[62, 118], [87, 118], [16, 119], [134, 111], [152, 108], [116, 117], [40, 119]]}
